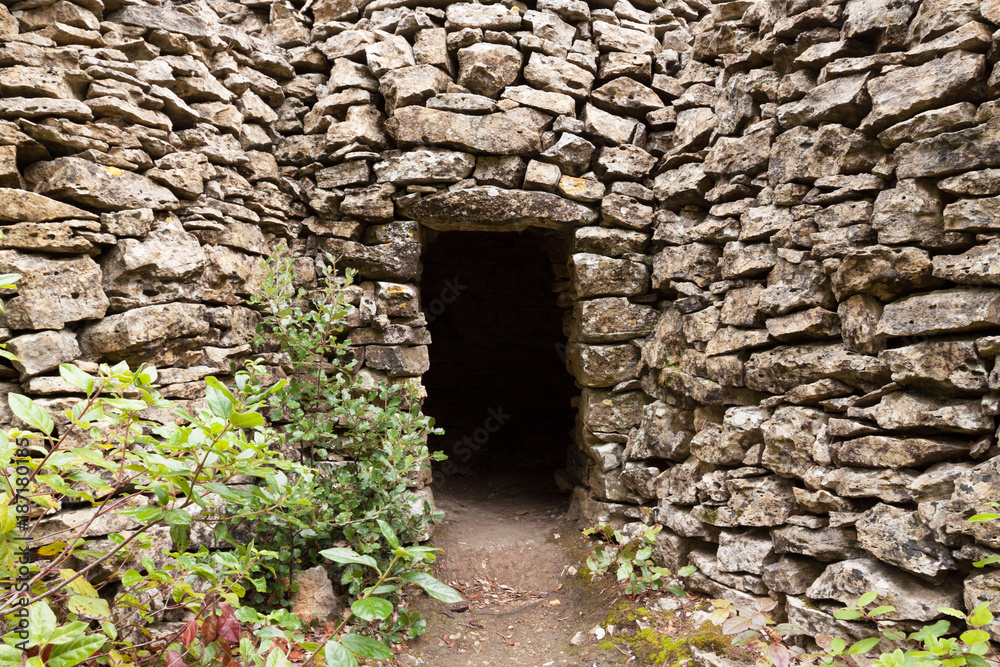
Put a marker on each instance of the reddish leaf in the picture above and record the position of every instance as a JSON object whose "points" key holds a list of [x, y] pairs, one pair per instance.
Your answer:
{"points": [[227, 660], [210, 629], [229, 627], [779, 655], [173, 659], [735, 625], [190, 632], [46, 652]]}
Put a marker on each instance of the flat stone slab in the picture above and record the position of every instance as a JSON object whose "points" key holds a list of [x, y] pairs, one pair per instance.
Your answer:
{"points": [[495, 209]]}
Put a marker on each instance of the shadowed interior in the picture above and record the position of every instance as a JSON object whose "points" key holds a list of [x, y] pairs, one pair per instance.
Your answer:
{"points": [[497, 383]]}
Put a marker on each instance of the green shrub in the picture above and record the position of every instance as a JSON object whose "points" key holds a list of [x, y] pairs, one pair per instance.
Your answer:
{"points": [[365, 443]]}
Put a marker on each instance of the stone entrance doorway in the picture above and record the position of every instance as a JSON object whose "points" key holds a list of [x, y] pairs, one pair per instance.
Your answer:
{"points": [[497, 382]]}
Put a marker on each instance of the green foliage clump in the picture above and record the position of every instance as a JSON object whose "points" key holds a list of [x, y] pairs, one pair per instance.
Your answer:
{"points": [[364, 443], [631, 560]]}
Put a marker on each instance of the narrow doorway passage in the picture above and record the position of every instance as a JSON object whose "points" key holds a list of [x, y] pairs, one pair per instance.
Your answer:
{"points": [[497, 382], [499, 388]]}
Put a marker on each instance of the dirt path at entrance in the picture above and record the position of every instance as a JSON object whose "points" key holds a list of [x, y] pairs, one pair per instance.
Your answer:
{"points": [[508, 547]]}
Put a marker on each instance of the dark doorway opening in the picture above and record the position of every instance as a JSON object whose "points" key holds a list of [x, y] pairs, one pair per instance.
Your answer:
{"points": [[497, 382]]}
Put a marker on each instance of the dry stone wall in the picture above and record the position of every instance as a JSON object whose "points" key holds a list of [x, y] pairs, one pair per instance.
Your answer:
{"points": [[781, 216]]}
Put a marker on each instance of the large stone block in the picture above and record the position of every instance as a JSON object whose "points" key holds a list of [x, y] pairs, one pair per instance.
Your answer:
{"points": [[613, 319], [513, 132], [913, 599], [52, 292], [103, 188]]}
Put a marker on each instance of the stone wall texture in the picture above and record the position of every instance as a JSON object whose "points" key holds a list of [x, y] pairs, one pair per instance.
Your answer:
{"points": [[781, 219]]}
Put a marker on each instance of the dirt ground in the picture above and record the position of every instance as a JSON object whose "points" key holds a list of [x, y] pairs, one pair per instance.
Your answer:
{"points": [[511, 551], [509, 548]]}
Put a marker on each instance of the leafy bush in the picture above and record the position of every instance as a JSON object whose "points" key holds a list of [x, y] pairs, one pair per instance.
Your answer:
{"points": [[631, 560], [160, 490], [365, 443]]}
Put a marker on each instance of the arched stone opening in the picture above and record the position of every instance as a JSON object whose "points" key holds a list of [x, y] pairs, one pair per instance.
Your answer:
{"points": [[497, 382]]}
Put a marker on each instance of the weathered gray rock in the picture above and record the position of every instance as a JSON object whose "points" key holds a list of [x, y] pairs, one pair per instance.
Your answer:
{"points": [[486, 69], [604, 411], [761, 501], [488, 17], [595, 275], [982, 588], [490, 208], [946, 311], [40, 352], [509, 133], [912, 598], [104, 188], [877, 451], [314, 599], [52, 292], [558, 76], [883, 272], [411, 85], [697, 262], [424, 165], [824, 544], [945, 366], [602, 365], [613, 319], [904, 92], [162, 267], [142, 329], [897, 536], [786, 367], [843, 100], [23, 206], [664, 432], [951, 152]]}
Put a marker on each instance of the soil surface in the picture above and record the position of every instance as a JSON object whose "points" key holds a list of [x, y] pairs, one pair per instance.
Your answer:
{"points": [[511, 551]]}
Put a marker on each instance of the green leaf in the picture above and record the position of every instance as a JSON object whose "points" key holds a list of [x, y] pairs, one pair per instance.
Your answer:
{"points": [[75, 652], [41, 623], [867, 598], [219, 400], [338, 656], [838, 645], [987, 561], [847, 614], [88, 606], [31, 414], [971, 637], [388, 533], [246, 420], [276, 658], [9, 656], [863, 646], [369, 609], [981, 615], [180, 535], [986, 516], [687, 571], [144, 514], [344, 556], [366, 647], [67, 633], [177, 517], [951, 611], [436, 589], [76, 377]]}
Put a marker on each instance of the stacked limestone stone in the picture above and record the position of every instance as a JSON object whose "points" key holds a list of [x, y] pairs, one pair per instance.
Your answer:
{"points": [[781, 218]]}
